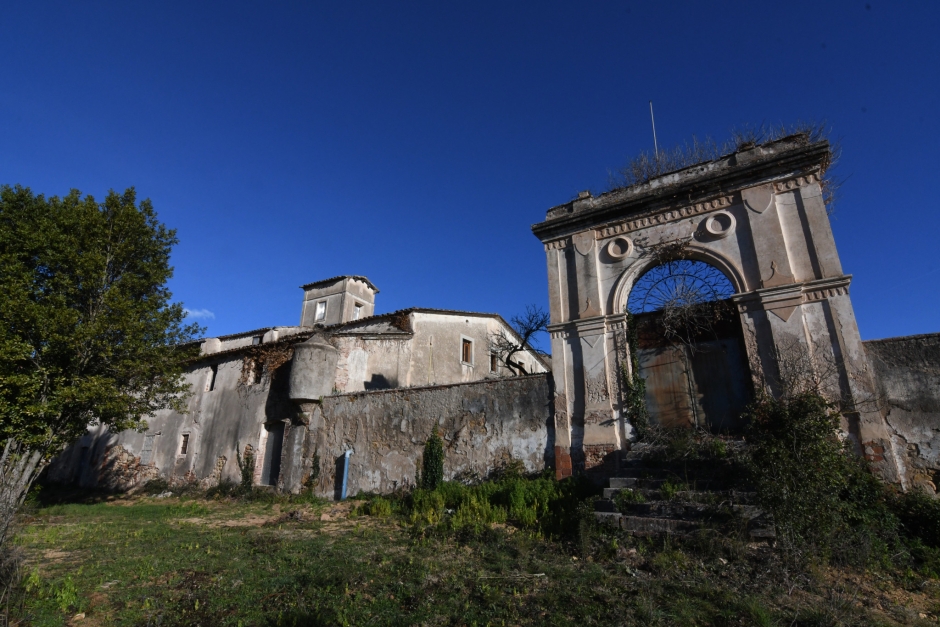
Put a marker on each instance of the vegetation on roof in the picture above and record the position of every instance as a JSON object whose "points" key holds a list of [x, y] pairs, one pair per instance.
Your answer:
{"points": [[646, 166]]}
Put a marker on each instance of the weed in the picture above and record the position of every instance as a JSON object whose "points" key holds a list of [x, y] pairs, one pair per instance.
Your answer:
{"points": [[627, 497], [433, 461]]}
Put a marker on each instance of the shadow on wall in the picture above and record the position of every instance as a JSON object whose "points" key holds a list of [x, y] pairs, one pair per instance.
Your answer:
{"points": [[340, 464], [378, 382]]}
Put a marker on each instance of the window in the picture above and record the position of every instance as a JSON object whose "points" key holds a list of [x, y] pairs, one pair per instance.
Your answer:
{"points": [[256, 340], [210, 380], [494, 362], [184, 445], [466, 351], [255, 372], [357, 311], [321, 311]]}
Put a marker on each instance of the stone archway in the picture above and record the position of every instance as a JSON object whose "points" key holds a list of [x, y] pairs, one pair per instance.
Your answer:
{"points": [[689, 346], [758, 216]]}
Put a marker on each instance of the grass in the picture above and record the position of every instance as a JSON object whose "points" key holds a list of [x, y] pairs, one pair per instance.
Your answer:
{"points": [[499, 553]]}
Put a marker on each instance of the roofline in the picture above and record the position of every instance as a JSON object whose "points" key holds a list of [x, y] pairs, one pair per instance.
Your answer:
{"points": [[338, 328], [335, 279], [902, 338], [741, 171]]}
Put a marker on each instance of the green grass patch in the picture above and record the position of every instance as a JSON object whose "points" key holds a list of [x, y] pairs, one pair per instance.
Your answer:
{"points": [[514, 551]]}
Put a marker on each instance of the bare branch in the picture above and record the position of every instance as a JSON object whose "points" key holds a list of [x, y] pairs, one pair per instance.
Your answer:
{"points": [[527, 326]]}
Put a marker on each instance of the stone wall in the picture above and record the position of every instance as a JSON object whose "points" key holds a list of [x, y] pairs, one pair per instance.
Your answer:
{"points": [[482, 423], [908, 373]]}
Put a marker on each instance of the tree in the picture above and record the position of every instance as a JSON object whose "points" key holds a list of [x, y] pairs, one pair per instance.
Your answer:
{"points": [[88, 332], [527, 326]]}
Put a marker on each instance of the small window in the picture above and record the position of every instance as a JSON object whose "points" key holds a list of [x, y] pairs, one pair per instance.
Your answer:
{"points": [[256, 372], [256, 340], [321, 311], [466, 351], [210, 380], [357, 311], [494, 362], [184, 445]]}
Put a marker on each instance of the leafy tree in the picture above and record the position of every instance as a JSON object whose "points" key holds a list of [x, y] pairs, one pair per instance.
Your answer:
{"points": [[88, 333]]}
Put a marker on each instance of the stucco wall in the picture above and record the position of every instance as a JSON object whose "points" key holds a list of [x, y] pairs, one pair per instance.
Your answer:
{"points": [[217, 422], [908, 373], [482, 424]]}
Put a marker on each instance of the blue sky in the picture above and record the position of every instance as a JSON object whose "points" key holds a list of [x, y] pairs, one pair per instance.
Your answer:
{"points": [[415, 143]]}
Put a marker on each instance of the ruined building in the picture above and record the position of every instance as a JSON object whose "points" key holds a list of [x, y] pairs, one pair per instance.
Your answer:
{"points": [[297, 398], [350, 392]]}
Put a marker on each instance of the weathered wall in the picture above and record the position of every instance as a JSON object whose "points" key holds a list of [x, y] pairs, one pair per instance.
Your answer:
{"points": [[482, 424], [218, 421], [908, 374]]}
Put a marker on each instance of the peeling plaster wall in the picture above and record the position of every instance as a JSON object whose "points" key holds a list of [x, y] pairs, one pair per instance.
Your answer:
{"points": [[217, 422], [482, 424], [908, 374]]}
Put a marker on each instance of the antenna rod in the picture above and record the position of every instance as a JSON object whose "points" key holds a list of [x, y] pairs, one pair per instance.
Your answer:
{"points": [[653, 120]]}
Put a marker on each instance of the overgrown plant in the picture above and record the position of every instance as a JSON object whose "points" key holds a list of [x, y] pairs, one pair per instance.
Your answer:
{"points": [[246, 466], [18, 469], [826, 503], [433, 462], [646, 166], [635, 385]]}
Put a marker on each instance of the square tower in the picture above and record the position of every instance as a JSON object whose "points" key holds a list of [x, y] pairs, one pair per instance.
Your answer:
{"points": [[336, 300]]}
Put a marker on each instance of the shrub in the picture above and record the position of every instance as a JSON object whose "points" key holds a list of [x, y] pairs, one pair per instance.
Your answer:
{"points": [[798, 466], [246, 466], [433, 463], [626, 497], [155, 486]]}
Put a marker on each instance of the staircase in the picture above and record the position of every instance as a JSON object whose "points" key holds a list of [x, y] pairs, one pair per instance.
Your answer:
{"points": [[657, 492]]}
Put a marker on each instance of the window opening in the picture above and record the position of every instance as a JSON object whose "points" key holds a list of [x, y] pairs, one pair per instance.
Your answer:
{"points": [[494, 362], [676, 284], [210, 380], [321, 311], [257, 371], [256, 340], [357, 311], [466, 351], [184, 445]]}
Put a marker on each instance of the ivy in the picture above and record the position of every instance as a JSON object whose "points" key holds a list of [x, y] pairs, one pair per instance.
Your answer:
{"points": [[635, 385], [433, 466]]}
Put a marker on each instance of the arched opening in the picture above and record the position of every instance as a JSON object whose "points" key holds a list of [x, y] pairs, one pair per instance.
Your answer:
{"points": [[689, 345], [679, 283]]}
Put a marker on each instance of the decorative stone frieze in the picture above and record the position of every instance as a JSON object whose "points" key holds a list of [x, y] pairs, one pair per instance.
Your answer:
{"points": [[665, 216], [796, 182]]}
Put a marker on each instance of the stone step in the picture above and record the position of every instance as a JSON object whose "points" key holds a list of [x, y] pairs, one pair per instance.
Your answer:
{"points": [[692, 496], [644, 526], [638, 525], [682, 510], [616, 483]]}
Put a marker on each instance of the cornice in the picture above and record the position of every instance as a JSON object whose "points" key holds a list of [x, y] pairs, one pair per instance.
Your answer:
{"points": [[792, 294], [619, 207]]}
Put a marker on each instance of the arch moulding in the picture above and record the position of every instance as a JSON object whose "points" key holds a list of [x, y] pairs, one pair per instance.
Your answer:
{"points": [[696, 253]]}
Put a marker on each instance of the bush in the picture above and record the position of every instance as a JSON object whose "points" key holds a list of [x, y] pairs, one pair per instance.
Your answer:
{"points": [[798, 466], [627, 497], [919, 515], [433, 464], [155, 486], [826, 502]]}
